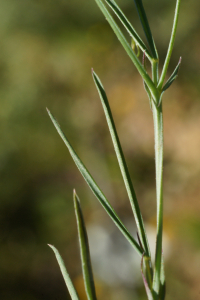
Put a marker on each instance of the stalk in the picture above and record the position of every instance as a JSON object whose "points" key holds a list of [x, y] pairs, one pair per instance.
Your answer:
{"points": [[158, 136], [158, 132]]}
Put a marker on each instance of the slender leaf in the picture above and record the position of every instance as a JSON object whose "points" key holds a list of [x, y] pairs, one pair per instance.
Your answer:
{"points": [[68, 282], [85, 251], [171, 45], [170, 80], [129, 50], [95, 189], [172, 77], [146, 27], [128, 26], [122, 163]]}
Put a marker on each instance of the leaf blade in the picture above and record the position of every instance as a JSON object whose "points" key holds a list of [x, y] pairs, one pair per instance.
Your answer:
{"points": [[85, 251], [95, 189], [171, 45], [128, 26], [129, 50], [67, 279], [172, 77], [146, 27], [122, 163]]}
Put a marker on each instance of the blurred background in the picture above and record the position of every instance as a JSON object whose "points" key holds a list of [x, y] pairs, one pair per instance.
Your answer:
{"points": [[47, 50]]}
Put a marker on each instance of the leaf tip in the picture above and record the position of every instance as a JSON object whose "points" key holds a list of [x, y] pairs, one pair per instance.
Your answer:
{"points": [[48, 110], [51, 246], [93, 74], [76, 200], [49, 113]]}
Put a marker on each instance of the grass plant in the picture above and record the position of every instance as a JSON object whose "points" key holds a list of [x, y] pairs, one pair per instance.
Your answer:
{"points": [[155, 85]]}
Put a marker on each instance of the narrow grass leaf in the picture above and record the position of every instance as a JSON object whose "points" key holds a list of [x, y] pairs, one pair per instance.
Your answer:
{"points": [[128, 26], [146, 27], [170, 81], [95, 189], [85, 251], [171, 45], [67, 279], [172, 77], [122, 163], [128, 49]]}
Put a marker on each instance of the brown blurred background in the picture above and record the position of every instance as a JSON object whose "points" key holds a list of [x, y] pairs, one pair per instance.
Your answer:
{"points": [[47, 50]]}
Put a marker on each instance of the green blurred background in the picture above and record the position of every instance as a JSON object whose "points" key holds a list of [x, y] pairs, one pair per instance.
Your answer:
{"points": [[47, 50]]}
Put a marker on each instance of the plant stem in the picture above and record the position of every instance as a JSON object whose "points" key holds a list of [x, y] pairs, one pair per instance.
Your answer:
{"points": [[158, 131], [155, 71], [171, 45], [158, 136]]}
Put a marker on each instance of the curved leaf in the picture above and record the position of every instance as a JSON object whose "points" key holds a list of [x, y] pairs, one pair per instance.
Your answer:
{"points": [[146, 27], [122, 163], [172, 77], [67, 279], [95, 189], [129, 50], [128, 26]]}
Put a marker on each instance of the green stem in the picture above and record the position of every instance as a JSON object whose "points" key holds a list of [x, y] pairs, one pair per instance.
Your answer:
{"points": [[158, 134], [158, 131], [171, 45], [155, 71]]}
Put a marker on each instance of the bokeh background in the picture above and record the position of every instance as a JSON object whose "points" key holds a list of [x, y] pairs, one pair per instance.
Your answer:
{"points": [[47, 50]]}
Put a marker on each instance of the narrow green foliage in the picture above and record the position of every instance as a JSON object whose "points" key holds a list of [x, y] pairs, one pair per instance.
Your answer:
{"points": [[69, 284], [172, 77], [95, 189], [153, 277], [171, 45], [146, 27], [128, 26], [122, 163], [85, 251], [130, 52], [170, 80]]}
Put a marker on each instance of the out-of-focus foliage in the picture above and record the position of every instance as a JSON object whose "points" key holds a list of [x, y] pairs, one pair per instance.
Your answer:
{"points": [[47, 51]]}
